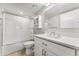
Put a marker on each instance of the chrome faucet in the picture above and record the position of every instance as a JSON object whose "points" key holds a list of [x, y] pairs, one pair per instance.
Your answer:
{"points": [[51, 33], [55, 35]]}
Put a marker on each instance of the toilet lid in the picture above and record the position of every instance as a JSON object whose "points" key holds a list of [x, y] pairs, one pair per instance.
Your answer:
{"points": [[29, 43]]}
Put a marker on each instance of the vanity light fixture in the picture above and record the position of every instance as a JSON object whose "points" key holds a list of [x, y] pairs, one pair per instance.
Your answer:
{"points": [[21, 13], [34, 6]]}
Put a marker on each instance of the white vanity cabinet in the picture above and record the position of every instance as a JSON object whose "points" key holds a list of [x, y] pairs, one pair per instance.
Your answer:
{"points": [[48, 48], [40, 48], [41, 51]]}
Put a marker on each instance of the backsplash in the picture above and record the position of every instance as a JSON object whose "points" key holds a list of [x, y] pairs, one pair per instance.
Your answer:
{"points": [[66, 32], [38, 31]]}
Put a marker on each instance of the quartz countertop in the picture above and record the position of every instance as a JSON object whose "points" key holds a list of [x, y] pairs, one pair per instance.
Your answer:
{"points": [[63, 40]]}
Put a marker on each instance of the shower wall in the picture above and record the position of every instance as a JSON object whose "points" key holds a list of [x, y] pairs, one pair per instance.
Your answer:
{"points": [[15, 33]]}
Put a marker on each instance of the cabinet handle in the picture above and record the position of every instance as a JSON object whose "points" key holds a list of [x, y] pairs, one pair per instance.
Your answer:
{"points": [[42, 52], [44, 44], [45, 53]]}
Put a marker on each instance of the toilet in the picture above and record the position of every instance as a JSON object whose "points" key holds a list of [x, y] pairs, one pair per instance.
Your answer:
{"points": [[29, 47]]}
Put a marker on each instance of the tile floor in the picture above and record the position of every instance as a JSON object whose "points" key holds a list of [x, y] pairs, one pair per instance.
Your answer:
{"points": [[21, 53]]}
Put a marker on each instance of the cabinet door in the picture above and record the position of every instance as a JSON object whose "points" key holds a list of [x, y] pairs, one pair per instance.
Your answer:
{"points": [[38, 50], [60, 50], [46, 52]]}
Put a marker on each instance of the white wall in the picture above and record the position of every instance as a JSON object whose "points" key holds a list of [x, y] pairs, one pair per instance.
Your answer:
{"points": [[52, 24], [1, 32]]}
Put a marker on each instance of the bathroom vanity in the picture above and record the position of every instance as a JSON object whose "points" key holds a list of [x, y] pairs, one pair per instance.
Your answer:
{"points": [[50, 46], [66, 24]]}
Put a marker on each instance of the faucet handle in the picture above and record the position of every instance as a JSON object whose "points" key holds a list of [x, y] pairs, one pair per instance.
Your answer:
{"points": [[57, 36], [52, 34]]}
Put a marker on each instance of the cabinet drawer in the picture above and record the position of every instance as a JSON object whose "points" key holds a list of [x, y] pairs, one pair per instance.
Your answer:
{"points": [[55, 48]]}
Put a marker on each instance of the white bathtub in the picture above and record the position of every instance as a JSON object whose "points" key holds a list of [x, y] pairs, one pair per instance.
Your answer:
{"points": [[7, 49]]}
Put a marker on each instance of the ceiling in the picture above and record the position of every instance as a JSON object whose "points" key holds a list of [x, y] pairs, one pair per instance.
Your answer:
{"points": [[23, 9], [58, 8], [33, 9]]}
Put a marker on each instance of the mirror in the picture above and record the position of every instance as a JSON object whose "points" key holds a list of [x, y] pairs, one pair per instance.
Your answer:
{"points": [[65, 23], [70, 19]]}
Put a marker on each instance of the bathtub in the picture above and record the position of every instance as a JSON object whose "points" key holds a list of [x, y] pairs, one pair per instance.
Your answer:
{"points": [[10, 48]]}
